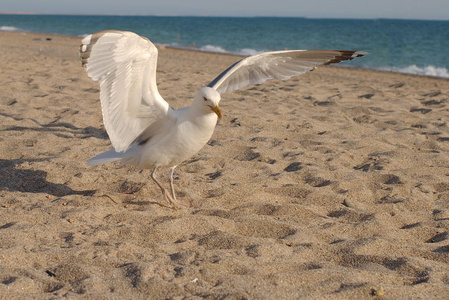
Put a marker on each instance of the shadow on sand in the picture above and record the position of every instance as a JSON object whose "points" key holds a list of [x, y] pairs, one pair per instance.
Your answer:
{"points": [[32, 181]]}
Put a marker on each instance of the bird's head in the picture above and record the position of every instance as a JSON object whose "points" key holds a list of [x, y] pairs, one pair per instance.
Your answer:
{"points": [[207, 99]]}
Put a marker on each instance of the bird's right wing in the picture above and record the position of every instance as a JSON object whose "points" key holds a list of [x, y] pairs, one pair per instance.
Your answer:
{"points": [[278, 64], [125, 66]]}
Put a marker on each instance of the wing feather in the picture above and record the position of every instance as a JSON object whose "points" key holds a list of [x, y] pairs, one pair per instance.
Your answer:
{"points": [[124, 64], [278, 64]]}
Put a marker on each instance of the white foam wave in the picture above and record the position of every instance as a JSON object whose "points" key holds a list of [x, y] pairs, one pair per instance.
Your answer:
{"points": [[249, 51], [426, 71], [219, 49], [212, 48], [9, 28]]}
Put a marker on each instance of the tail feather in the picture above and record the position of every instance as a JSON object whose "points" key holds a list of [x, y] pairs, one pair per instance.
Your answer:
{"points": [[105, 157]]}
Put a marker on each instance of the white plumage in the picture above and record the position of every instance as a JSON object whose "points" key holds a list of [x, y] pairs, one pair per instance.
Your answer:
{"points": [[144, 130]]}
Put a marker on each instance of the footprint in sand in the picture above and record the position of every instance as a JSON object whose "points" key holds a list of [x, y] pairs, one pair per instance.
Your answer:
{"points": [[247, 155]]}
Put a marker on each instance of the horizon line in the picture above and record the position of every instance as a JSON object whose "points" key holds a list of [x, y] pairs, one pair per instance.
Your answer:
{"points": [[213, 16]]}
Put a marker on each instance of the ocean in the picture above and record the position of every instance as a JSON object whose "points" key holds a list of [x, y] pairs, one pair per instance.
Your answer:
{"points": [[408, 46]]}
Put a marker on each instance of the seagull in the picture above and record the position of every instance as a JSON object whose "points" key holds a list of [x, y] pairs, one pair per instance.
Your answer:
{"points": [[145, 131]]}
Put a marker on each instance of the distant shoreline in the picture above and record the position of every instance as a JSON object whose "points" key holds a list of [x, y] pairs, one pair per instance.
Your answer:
{"points": [[226, 54], [395, 45]]}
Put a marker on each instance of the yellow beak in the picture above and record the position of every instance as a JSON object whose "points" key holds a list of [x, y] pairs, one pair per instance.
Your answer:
{"points": [[216, 110]]}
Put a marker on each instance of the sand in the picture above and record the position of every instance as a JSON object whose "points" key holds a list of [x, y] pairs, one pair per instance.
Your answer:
{"points": [[331, 185]]}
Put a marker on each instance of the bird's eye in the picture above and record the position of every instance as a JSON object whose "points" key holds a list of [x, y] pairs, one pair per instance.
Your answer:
{"points": [[204, 98]]}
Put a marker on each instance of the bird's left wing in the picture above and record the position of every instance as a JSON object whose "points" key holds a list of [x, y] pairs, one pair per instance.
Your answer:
{"points": [[125, 66], [278, 64]]}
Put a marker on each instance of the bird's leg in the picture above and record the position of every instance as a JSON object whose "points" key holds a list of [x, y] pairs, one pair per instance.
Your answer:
{"points": [[164, 191], [172, 188]]}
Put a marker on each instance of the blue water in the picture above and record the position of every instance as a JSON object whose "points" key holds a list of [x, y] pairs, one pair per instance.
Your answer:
{"points": [[409, 46]]}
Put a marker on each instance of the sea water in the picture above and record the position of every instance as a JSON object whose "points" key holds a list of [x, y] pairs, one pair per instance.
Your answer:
{"points": [[409, 46]]}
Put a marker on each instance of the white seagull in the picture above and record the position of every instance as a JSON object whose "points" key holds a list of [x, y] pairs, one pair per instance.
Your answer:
{"points": [[145, 131]]}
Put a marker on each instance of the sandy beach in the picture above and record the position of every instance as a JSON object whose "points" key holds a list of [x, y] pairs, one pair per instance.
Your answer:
{"points": [[332, 185]]}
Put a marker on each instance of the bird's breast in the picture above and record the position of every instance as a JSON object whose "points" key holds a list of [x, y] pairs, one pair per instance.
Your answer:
{"points": [[194, 134], [183, 141]]}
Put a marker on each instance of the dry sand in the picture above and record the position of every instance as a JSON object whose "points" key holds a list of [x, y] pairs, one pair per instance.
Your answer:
{"points": [[331, 185]]}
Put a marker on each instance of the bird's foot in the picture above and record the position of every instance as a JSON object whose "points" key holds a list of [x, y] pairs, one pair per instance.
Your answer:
{"points": [[183, 203], [175, 202]]}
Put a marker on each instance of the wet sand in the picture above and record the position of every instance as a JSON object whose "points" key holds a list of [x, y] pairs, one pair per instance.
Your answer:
{"points": [[330, 185]]}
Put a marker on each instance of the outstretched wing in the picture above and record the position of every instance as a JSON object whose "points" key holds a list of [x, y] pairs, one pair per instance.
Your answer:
{"points": [[278, 64], [125, 66]]}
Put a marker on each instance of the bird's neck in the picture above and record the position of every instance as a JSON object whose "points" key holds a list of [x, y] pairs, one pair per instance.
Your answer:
{"points": [[200, 115]]}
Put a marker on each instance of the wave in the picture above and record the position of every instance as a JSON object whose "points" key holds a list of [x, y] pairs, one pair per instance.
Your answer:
{"points": [[425, 71], [9, 28], [244, 51], [212, 48], [249, 52], [218, 49]]}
